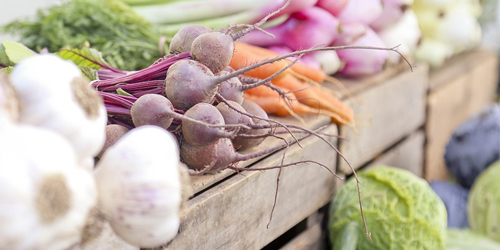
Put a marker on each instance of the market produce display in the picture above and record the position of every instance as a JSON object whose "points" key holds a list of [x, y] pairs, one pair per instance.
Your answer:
{"points": [[137, 96], [401, 211], [474, 145]]}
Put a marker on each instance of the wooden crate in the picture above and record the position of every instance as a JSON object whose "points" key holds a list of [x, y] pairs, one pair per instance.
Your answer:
{"points": [[394, 102], [234, 213], [462, 87], [407, 154]]}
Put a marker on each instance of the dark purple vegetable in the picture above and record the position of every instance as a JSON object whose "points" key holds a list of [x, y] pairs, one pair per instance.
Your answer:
{"points": [[474, 146], [454, 198], [182, 40]]}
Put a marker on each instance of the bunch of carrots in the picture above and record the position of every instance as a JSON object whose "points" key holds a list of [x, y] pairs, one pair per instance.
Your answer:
{"points": [[300, 82]]}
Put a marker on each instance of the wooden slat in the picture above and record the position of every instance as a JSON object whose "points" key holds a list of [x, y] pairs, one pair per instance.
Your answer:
{"points": [[456, 66], [396, 108], [234, 213], [310, 239], [407, 154], [452, 103]]}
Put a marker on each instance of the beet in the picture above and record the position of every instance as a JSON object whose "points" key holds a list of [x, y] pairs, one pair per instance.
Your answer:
{"points": [[182, 40]]}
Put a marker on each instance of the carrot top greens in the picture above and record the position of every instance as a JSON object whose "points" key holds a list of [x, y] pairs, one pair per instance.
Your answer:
{"points": [[127, 41]]}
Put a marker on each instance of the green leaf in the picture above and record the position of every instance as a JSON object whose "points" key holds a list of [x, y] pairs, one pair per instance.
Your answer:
{"points": [[6, 70], [83, 57], [4, 60], [16, 52]]}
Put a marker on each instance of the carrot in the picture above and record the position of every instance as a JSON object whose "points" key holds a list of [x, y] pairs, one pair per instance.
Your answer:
{"points": [[243, 56], [316, 97], [258, 54], [273, 103]]}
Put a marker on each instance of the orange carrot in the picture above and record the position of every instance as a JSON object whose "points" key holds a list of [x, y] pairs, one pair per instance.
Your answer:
{"points": [[273, 103], [243, 57], [260, 54], [315, 97]]}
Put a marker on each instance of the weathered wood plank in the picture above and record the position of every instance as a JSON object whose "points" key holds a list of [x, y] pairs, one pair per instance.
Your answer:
{"points": [[454, 102], [456, 66], [310, 239], [396, 108], [234, 213], [407, 154]]}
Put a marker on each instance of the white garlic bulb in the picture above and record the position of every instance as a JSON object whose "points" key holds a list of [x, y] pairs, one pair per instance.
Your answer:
{"points": [[45, 196], [139, 186], [9, 102], [55, 95]]}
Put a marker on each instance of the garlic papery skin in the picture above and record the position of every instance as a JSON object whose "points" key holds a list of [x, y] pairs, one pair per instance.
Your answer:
{"points": [[98, 234], [139, 186], [9, 102], [45, 196], [55, 95]]}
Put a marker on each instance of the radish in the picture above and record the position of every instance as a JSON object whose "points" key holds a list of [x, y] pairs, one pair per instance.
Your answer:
{"points": [[392, 11], [113, 133], [242, 143], [360, 63], [230, 114], [200, 135], [361, 11], [231, 89], [333, 6], [182, 40]]}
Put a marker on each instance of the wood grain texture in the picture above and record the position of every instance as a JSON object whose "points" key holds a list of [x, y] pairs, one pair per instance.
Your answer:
{"points": [[234, 213], [407, 154], [387, 111], [452, 103], [310, 239], [456, 66]]}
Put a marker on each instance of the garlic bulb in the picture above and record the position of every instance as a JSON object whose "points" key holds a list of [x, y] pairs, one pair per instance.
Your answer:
{"points": [[55, 95], [9, 102], [98, 234], [44, 195], [139, 186]]}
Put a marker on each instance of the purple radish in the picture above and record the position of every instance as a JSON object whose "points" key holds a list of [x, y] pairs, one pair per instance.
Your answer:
{"points": [[152, 109], [231, 89], [113, 133], [182, 40], [232, 116], [189, 82], [213, 49], [219, 155], [202, 124], [242, 143], [200, 135]]}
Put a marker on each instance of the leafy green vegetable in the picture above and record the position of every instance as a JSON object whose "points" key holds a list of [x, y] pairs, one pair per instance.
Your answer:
{"points": [[12, 53], [84, 56], [401, 211], [484, 202], [127, 41], [466, 239]]}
